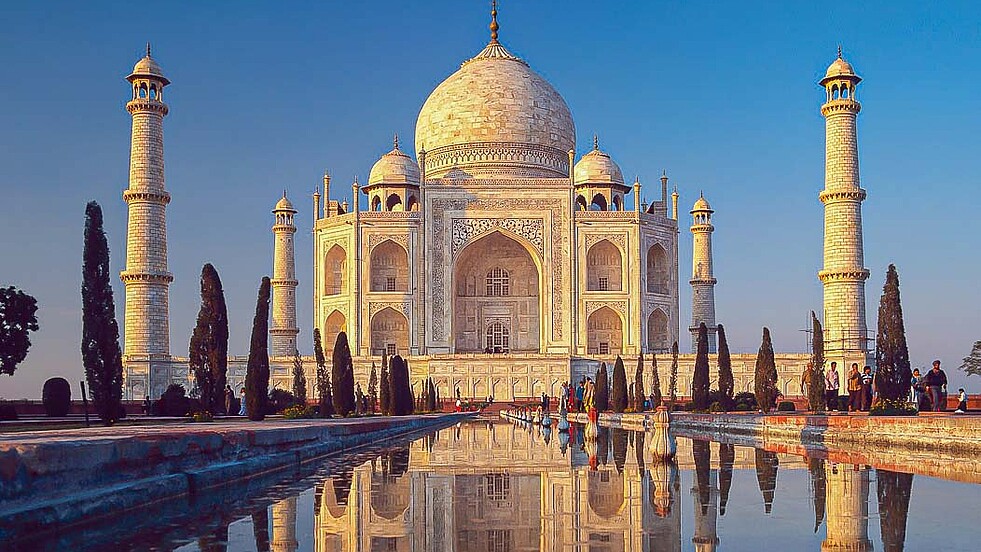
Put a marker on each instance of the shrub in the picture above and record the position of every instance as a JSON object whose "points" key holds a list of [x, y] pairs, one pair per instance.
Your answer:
{"points": [[886, 407], [202, 416], [279, 400], [716, 407], [7, 412], [786, 406], [173, 402], [747, 399], [57, 397], [296, 412], [743, 407]]}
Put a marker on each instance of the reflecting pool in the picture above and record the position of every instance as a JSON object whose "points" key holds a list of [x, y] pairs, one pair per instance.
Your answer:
{"points": [[499, 486]]}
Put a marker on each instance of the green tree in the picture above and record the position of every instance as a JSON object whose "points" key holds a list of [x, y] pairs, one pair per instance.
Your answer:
{"points": [[619, 393], [431, 396], [815, 390], [400, 392], [673, 385], [342, 377], [639, 394], [891, 353], [601, 391], [385, 392], [727, 386], [17, 321], [100, 333], [972, 362], [299, 380], [323, 379], [257, 370], [373, 389], [208, 350], [655, 382], [765, 381], [700, 379]]}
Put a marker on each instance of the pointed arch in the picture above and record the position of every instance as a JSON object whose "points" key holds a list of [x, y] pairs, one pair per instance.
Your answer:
{"points": [[598, 203], [335, 271], [334, 324], [393, 203], [581, 203], [617, 203], [604, 332], [376, 203], [389, 332], [604, 267], [605, 494], [658, 270], [388, 268], [412, 204], [657, 331]]}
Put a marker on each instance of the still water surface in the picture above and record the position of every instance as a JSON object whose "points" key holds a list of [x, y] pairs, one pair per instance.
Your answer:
{"points": [[498, 487]]}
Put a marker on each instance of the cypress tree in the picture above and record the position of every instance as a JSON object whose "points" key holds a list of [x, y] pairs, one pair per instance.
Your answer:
{"points": [[971, 364], [639, 395], [208, 350], [373, 389], [431, 395], [601, 391], [673, 385], [765, 381], [384, 393], [891, 354], [257, 370], [655, 382], [700, 379], [619, 392], [299, 380], [815, 390], [342, 377], [401, 395], [100, 333], [323, 381], [727, 386]]}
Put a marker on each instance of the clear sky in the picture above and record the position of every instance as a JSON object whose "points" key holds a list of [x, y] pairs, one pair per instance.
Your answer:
{"points": [[722, 95]]}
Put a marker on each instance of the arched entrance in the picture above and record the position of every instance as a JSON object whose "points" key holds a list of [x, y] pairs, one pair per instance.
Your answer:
{"points": [[335, 265], [604, 332], [335, 324], [496, 296], [389, 332], [657, 332], [658, 271], [604, 267], [389, 267]]}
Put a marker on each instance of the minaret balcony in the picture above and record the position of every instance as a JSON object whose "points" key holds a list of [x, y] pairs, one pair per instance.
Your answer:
{"points": [[844, 275], [145, 196], [836, 196], [146, 104], [840, 106], [138, 276]]}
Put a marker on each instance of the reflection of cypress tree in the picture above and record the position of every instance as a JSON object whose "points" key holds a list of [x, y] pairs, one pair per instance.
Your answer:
{"points": [[702, 454], [893, 490], [603, 445], [260, 526], [342, 485], [619, 448], [399, 462], [216, 541], [318, 494], [639, 449], [766, 475], [819, 484], [727, 458]]}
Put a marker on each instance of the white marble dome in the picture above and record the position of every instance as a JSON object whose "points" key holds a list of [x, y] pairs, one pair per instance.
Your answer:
{"points": [[148, 67], [284, 204], [597, 167], [394, 167], [495, 117]]}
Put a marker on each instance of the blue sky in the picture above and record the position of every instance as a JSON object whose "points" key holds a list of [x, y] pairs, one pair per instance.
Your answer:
{"points": [[723, 96]]}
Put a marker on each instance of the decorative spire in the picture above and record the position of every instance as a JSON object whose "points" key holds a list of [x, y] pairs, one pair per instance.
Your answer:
{"points": [[147, 48], [284, 193], [493, 25], [396, 140], [595, 142], [839, 51]]}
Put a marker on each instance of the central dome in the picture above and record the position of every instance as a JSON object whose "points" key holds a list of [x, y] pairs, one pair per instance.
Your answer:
{"points": [[495, 117]]}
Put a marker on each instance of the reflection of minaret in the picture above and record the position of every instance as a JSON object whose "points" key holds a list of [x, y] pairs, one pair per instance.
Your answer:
{"points": [[702, 278], [283, 331], [847, 508], [284, 526], [706, 514], [662, 522]]}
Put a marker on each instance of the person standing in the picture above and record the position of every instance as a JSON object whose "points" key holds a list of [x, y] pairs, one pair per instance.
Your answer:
{"points": [[805, 379], [241, 404], [854, 389], [831, 385], [146, 406], [961, 401], [936, 384], [229, 400], [580, 394], [866, 389], [916, 385]]}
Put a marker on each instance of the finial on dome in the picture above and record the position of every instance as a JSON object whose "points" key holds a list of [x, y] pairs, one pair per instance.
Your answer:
{"points": [[147, 48], [396, 140], [284, 193], [839, 51], [493, 25], [595, 142]]}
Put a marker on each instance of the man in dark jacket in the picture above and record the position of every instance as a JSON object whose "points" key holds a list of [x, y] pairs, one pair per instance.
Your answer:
{"points": [[936, 384]]}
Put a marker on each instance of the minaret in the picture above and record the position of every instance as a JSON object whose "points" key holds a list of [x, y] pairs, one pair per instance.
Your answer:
{"points": [[844, 273], [283, 330], [702, 279], [847, 508], [147, 318], [284, 526]]}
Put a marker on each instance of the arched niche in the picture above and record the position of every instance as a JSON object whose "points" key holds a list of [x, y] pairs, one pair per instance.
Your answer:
{"points": [[389, 332], [389, 268], [604, 332], [333, 325], [657, 331], [335, 271], [604, 267], [658, 270]]}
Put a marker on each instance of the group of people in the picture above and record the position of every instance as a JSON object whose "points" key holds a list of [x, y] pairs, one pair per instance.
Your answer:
{"points": [[927, 392], [229, 396]]}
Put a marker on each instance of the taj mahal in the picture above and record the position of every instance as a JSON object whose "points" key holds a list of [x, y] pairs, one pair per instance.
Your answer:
{"points": [[501, 258]]}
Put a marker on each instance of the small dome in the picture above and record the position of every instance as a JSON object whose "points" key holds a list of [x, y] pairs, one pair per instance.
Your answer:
{"points": [[147, 67], [394, 167], [597, 167], [284, 204], [840, 68], [701, 205]]}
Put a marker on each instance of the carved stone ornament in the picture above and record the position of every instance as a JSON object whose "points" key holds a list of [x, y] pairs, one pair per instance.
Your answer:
{"points": [[618, 306], [466, 230], [398, 306]]}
